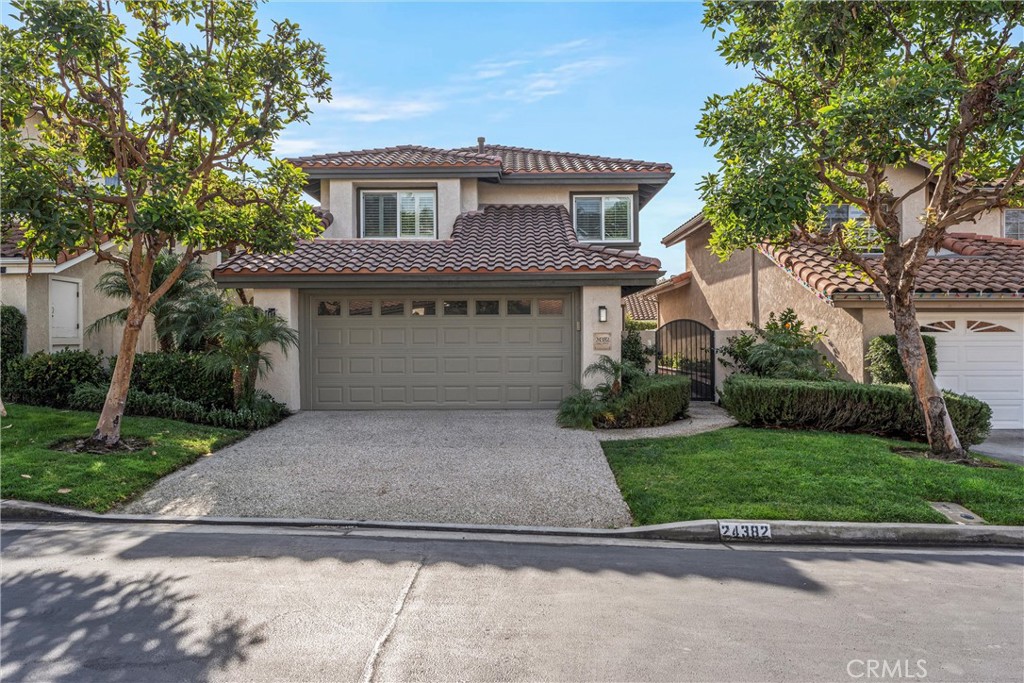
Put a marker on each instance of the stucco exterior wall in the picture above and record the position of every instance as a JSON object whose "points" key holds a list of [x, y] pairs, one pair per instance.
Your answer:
{"points": [[283, 382], [590, 299], [718, 294], [490, 193], [904, 179], [31, 296]]}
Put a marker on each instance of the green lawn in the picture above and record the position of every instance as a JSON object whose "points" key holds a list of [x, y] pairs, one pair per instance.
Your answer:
{"points": [[96, 482], [743, 473]]}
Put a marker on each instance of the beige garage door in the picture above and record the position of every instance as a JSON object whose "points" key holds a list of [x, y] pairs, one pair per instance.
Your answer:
{"points": [[440, 351]]}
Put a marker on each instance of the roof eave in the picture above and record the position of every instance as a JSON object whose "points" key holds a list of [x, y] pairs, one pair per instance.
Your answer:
{"points": [[685, 230], [632, 278]]}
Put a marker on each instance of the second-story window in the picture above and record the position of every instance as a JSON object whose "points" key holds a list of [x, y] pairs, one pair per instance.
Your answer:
{"points": [[1013, 224], [604, 218], [401, 214]]}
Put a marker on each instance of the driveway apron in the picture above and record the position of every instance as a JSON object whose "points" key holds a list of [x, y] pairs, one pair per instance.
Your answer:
{"points": [[472, 467]]}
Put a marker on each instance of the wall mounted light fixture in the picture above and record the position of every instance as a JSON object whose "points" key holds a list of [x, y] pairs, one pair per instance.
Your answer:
{"points": [[602, 314]]}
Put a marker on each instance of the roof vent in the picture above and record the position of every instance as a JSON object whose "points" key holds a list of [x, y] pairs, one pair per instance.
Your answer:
{"points": [[480, 144]]}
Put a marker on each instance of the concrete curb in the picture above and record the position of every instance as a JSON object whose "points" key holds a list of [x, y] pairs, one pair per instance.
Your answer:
{"points": [[700, 531]]}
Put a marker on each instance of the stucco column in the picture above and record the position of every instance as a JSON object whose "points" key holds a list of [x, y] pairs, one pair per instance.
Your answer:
{"points": [[283, 382], [595, 334]]}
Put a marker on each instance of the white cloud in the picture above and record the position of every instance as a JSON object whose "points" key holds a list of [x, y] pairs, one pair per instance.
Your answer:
{"points": [[373, 109], [555, 80], [286, 146]]}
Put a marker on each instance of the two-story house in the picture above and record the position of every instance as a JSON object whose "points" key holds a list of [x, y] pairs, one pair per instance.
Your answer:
{"points": [[478, 277], [970, 297]]}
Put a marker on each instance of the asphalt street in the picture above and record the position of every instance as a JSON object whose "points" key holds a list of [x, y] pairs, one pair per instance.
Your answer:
{"points": [[133, 603]]}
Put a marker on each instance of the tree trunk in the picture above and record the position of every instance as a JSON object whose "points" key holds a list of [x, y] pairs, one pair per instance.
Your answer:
{"points": [[108, 429], [942, 436], [237, 385]]}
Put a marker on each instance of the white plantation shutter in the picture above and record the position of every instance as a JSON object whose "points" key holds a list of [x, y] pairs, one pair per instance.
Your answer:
{"points": [[398, 214], [407, 204], [617, 212], [588, 218]]}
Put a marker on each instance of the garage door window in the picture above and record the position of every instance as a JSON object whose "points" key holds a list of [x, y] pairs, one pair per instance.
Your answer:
{"points": [[328, 308], [939, 326], [487, 307], [360, 307], [550, 306], [456, 308], [392, 307], [519, 307], [982, 326], [424, 308]]}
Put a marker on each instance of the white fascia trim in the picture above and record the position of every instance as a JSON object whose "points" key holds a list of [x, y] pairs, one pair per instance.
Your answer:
{"points": [[19, 266]]}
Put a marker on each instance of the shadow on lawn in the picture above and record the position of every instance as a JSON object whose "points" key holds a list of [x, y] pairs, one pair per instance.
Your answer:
{"points": [[59, 626]]}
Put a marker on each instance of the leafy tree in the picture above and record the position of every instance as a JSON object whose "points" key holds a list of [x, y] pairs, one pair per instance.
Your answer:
{"points": [[154, 132], [843, 93], [241, 333], [192, 283]]}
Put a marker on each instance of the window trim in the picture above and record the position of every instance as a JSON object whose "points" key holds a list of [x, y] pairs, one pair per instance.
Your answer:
{"points": [[1006, 212], [634, 211], [395, 191]]}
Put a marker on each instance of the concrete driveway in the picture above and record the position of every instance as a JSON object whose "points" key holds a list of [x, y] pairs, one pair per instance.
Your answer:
{"points": [[1004, 444], [474, 467]]}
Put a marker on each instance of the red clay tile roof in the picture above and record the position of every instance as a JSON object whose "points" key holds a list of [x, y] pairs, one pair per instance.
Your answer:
{"points": [[402, 156], [639, 307], [9, 242], [524, 160], [979, 264], [509, 160], [497, 239]]}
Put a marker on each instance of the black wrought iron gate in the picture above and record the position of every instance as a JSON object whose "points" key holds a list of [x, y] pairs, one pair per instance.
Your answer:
{"points": [[687, 347]]}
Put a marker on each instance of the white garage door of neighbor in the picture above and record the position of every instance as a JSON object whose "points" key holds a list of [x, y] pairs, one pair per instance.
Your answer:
{"points": [[443, 350], [982, 355]]}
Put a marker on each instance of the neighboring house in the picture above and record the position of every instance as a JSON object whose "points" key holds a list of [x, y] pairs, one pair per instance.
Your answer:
{"points": [[641, 307], [478, 277], [59, 297], [970, 298]]}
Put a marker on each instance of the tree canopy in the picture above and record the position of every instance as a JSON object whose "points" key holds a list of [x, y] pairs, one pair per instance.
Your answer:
{"points": [[844, 90]]}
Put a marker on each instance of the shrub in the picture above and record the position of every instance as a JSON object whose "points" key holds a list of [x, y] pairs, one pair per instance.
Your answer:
{"points": [[263, 412], [885, 410], [627, 398], [183, 375], [656, 401], [634, 351], [12, 334], [638, 325], [784, 349], [49, 379], [883, 359]]}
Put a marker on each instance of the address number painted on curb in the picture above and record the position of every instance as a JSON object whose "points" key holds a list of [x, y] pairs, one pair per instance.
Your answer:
{"points": [[745, 531]]}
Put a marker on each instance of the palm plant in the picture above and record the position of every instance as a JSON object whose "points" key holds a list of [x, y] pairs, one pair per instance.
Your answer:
{"points": [[241, 333], [619, 376], [193, 319], [193, 281]]}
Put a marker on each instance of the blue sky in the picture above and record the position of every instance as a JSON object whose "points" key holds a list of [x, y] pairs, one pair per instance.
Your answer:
{"points": [[617, 79]]}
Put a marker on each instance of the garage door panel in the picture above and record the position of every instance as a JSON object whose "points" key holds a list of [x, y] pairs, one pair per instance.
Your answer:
{"points": [[392, 352], [393, 365], [391, 336], [360, 365], [360, 336]]}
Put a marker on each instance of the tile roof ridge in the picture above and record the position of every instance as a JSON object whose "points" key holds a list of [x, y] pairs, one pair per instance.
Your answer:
{"points": [[578, 155]]}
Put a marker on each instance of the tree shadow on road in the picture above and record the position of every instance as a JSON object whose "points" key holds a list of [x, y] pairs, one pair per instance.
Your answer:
{"points": [[59, 626]]}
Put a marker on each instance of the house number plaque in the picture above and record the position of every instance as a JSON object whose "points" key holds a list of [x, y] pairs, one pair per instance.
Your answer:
{"points": [[602, 341]]}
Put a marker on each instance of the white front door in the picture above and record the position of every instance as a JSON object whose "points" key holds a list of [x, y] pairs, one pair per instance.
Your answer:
{"points": [[982, 355], [65, 313]]}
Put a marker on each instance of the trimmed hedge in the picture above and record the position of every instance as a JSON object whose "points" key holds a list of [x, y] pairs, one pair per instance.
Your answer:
{"points": [[264, 412], [12, 334], [656, 401], [49, 379], [883, 359], [885, 410], [183, 375]]}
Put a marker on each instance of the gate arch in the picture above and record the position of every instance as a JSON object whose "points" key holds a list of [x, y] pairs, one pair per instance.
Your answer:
{"points": [[687, 347]]}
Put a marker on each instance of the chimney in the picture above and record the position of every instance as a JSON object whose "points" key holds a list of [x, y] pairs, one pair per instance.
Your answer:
{"points": [[480, 144]]}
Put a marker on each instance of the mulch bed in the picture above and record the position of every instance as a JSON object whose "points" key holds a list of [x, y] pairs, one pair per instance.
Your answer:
{"points": [[85, 445]]}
